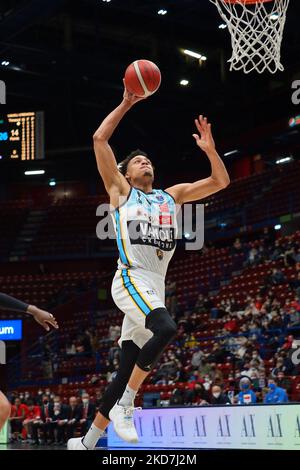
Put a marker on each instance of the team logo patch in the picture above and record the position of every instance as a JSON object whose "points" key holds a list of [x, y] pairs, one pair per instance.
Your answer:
{"points": [[160, 254], [164, 207]]}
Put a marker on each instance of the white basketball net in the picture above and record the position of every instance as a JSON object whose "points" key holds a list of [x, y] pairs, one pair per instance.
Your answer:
{"points": [[256, 33]]}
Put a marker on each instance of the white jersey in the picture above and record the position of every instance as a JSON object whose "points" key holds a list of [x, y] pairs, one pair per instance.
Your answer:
{"points": [[146, 230]]}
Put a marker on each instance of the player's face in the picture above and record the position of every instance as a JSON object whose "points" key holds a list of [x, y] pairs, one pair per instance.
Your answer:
{"points": [[140, 167]]}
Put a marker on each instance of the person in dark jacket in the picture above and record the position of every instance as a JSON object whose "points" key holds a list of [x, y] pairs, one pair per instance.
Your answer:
{"points": [[74, 415], [218, 397], [87, 413]]}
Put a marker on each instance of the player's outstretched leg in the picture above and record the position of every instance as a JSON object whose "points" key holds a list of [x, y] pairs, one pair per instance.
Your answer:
{"points": [[164, 329]]}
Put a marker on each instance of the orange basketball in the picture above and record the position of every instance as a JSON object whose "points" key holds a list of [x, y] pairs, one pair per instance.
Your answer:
{"points": [[142, 78]]}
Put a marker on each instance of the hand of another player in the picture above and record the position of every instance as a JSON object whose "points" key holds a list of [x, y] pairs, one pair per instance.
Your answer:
{"points": [[42, 317], [130, 98], [205, 141]]}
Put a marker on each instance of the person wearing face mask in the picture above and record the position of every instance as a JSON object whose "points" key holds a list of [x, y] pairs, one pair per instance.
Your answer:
{"points": [[276, 394], [87, 413], [246, 395], [256, 357], [43, 426], [21, 396], [207, 382], [218, 397], [60, 420], [39, 398]]}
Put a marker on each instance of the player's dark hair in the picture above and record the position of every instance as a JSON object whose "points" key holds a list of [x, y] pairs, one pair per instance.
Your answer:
{"points": [[124, 164]]}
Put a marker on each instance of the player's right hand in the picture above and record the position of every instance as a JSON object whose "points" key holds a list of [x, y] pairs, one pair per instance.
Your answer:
{"points": [[130, 98], [42, 317]]}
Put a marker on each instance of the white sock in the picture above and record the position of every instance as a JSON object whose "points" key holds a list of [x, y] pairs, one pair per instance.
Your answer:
{"points": [[92, 436], [128, 397]]}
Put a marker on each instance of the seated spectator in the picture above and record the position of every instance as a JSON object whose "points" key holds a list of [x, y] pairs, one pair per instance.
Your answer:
{"points": [[60, 420], [259, 394], [218, 396], [114, 352], [237, 247], [246, 395], [256, 357], [277, 277], [289, 343], [254, 380], [284, 382], [70, 349], [253, 257], [204, 368], [277, 253], [87, 413], [290, 256], [207, 382], [294, 317], [190, 342], [114, 332], [197, 357], [73, 417], [32, 415], [17, 416], [218, 354], [276, 394], [248, 369], [43, 426], [280, 367], [216, 374], [262, 381], [231, 324], [197, 395]]}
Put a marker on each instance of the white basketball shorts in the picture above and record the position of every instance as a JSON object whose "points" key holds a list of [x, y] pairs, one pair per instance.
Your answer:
{"points": [[136, 292]]}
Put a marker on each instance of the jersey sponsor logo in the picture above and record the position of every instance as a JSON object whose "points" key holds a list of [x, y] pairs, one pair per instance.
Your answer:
{"points": [[160, 254], [145, 233], [165, 219]]}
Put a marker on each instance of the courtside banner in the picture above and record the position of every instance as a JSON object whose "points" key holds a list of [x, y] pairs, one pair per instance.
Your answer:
{"points": [[10, 330], [221, 427]]}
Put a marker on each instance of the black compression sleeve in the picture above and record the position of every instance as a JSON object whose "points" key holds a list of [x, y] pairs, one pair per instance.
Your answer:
{"points": [[10, 303]]}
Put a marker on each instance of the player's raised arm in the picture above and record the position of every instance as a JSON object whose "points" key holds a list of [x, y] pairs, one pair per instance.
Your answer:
{"points": [[106, 160], [219, 178]]}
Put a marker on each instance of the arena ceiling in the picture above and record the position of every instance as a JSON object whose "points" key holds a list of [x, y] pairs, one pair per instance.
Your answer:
{"points": [[68, 58]]}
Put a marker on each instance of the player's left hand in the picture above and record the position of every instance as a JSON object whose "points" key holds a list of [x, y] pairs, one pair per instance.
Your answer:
{"points": [[205, 141], [42, 317]]}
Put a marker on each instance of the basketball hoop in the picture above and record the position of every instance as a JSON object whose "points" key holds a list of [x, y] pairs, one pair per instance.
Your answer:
{"points": [[256, 28]]}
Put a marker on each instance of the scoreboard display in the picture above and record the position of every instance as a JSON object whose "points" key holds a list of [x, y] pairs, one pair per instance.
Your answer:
{"points": [[22, 136]]}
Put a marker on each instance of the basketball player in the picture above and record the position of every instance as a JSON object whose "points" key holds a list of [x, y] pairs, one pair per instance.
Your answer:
{"points": [[41, 316], [139, 283]]}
